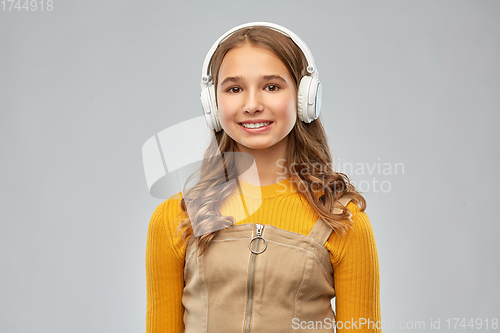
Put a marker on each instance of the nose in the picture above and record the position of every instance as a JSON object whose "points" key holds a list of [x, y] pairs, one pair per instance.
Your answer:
{"points": [[253, 101]]}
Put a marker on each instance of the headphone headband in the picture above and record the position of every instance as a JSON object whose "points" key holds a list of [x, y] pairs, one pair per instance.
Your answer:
{"points": [[206, 77]]}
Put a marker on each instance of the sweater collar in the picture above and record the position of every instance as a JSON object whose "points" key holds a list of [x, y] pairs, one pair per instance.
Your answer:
{"points": [[283, 187]]}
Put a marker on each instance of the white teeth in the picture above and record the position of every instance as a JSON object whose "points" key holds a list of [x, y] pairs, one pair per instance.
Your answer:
{"points": [[255, 125]]}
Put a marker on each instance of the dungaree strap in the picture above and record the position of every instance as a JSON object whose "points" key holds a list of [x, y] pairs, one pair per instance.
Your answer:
{"points": [[322, 231]]}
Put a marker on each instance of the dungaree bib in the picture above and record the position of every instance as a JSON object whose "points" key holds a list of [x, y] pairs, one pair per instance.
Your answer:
{"points": [[258, 278]]}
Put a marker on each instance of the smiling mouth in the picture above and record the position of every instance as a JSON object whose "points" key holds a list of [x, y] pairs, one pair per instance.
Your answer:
{"points": [[255, 125]]}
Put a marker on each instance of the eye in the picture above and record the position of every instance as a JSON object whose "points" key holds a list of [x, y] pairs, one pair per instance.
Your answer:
{"points": [[272, 87], [234, 90]]}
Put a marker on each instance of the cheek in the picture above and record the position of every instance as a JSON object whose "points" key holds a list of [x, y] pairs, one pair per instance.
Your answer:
{"points": [[286, 109], [224, 109]]}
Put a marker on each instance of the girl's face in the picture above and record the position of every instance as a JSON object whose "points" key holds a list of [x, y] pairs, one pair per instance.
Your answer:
{"points": [[256, 98]]}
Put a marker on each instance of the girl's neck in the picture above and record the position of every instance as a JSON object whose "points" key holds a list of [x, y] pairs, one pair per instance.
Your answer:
{"points": [[270, 163]]}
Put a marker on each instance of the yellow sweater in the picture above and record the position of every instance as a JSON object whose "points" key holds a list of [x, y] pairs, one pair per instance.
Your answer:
{"points": [[353, 256]]}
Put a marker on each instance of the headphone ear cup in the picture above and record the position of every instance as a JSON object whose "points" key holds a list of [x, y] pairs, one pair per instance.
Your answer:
{"points": [[302, 98], [215, 110], [210, 108], [308, 99]]}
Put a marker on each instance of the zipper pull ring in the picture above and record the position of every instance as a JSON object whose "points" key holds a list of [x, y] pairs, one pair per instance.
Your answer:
{"points": [[260, 227]]}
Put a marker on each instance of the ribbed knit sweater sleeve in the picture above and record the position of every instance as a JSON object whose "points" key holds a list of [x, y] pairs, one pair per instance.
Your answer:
{"points": [[164, 271], [356, 276]]}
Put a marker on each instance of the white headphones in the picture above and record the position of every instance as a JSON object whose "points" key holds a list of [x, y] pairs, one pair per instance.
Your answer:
{"points": [[309, 92]]}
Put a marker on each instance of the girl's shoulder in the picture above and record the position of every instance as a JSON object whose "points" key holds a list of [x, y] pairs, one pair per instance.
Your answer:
{"points": [[361, 232], [164, 224], [360, 221], [169, 209]]}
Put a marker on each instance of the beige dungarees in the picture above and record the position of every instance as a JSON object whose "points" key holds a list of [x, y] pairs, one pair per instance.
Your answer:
{"points": [[258, 278]]}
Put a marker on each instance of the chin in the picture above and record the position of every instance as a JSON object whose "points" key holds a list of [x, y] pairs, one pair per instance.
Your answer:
{"points": [[255, 145]]}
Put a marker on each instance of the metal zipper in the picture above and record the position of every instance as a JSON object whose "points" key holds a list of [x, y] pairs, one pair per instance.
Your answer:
{"points": [[254, 251]]}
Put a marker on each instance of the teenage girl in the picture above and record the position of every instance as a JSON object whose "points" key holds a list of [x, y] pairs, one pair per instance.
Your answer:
{"points": [[265, 253]]}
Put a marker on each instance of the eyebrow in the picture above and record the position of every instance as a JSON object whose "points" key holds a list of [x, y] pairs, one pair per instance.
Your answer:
{"points": [[264, 77]]}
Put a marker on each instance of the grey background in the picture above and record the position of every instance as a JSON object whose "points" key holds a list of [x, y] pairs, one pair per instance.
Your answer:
{"points": [[84, 86]]}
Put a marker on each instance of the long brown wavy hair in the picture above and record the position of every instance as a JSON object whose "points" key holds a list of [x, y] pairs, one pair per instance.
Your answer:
{"points": [[307, 149]]}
